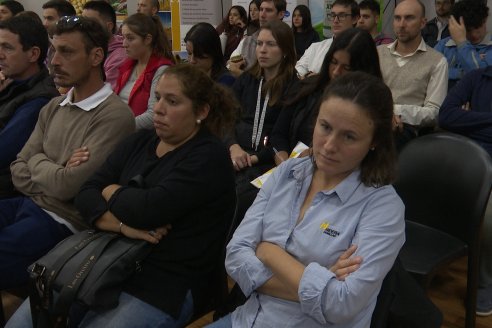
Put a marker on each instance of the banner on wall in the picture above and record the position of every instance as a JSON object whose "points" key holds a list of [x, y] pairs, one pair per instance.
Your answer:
{"points": [[178, 16]]}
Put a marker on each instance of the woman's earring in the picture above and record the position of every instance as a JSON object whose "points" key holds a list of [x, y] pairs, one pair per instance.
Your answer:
{"points": [[373, 148], [198, 121]]}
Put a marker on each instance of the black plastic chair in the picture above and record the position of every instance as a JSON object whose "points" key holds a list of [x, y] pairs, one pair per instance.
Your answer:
{"points": [[445, 182], [218, 288]]}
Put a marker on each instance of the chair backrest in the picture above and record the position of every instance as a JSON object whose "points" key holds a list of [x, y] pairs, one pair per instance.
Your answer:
{"points": [[445, 181]]}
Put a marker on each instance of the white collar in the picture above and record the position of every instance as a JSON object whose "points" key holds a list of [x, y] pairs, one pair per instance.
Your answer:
{"points": [[392, 47], [92, 101]]}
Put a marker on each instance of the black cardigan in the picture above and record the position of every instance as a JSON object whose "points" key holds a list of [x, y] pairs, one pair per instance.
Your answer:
{"points": [[246, 91], [192, 188]]}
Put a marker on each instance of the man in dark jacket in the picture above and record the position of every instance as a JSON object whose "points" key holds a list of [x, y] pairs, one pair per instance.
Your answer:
{"points": [[437, 28], [25, 87]]}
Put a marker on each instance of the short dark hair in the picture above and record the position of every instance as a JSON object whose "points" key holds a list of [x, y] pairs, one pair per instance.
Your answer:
{"points": [[280, 5], [31, 34], [93, 35], [354, 7], [62, 7], [104, 9], [307, 24], [374, 98], [372, 5], [206, 42], [15, 7], [474, 12], [31, 14]]}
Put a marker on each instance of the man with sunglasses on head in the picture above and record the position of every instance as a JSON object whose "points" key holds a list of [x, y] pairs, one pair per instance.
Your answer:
{"points": [[344, 15], [72, 137]]}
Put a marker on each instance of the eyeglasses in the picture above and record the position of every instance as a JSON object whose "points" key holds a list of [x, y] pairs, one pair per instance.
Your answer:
{"points": [[341, 17], [75, 22]]}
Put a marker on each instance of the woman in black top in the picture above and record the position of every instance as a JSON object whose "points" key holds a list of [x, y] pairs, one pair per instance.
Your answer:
{"points": [[260, 92], [253, 17], [232, 29], [304, 33], [203, 48], [174, 187]]}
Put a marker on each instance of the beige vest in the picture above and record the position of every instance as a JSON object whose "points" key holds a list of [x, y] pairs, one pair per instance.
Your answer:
{"points": [[408, 83]]}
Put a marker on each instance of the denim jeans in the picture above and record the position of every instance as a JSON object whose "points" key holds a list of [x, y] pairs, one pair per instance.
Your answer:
{"points": [[130, 313]]}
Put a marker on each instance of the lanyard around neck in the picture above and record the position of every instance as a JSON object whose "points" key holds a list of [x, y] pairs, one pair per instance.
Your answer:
{"points": [[259, 121]]}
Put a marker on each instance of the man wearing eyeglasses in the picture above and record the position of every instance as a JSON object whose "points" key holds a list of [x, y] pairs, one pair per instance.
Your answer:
{"points": [[437, 28], [73, 136], [344, 15], [416, 74]]}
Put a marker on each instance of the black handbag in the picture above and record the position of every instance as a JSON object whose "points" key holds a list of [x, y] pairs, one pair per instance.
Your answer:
{"points": [[89, 268]]}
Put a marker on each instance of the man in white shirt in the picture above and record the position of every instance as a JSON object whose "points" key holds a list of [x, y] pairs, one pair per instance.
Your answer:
{"points": [[416, 74], [344, 15]]}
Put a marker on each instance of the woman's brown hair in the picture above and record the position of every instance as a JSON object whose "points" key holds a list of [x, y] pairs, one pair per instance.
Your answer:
{"points": [[284, 37]]}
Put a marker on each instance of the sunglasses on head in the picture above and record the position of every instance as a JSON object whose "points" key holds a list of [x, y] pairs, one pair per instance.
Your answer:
{"points": [[72, 22]]}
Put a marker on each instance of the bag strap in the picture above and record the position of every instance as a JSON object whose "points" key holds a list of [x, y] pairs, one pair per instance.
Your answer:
{"points": [[70, 289]]}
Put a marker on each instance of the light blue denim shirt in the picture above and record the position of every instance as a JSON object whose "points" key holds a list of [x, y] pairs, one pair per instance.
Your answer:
{"points": [[351, 213]]}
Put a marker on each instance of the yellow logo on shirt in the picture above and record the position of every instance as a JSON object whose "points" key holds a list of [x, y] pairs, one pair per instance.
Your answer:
{"points": [[325, 226]]}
